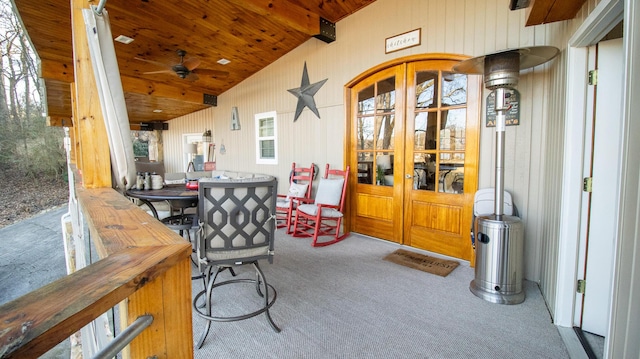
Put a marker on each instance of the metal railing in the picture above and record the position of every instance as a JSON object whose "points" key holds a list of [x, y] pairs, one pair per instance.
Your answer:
{"points": [[123, 339]]}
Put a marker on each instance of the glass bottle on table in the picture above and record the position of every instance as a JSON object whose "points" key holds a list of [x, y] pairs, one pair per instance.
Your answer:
{"points": [[139, 181], [147, 180]]}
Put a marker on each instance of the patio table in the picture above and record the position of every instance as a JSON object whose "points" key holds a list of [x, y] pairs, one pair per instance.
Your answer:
{"points": [[178, 196]]}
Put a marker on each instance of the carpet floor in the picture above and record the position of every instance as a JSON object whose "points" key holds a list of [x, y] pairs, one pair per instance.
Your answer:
{"points": [[340, 301], [345, 301]]}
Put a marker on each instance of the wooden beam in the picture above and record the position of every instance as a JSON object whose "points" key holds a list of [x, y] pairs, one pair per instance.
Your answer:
{"points": [[59, 121], [146, 87], [56, 70], [94, 156], [546, 11], [537, 11], [283, 12], [564, 10]]}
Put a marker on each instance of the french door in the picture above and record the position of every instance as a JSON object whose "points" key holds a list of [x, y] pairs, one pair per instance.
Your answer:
{"points": [[413, 137]]}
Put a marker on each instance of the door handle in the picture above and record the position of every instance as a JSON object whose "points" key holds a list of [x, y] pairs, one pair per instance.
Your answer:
{"points": [[408, 176]]}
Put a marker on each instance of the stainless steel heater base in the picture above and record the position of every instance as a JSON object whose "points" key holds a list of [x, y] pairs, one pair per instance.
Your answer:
{"points": [[495, 296], [499, 262]]}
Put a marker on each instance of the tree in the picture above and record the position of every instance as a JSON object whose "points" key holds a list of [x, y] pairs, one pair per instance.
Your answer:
{"points": [[25, 140]]}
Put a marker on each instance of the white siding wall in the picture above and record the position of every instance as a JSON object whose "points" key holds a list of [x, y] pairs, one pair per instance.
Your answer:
{"points": [[195, 123], [467, 27]]}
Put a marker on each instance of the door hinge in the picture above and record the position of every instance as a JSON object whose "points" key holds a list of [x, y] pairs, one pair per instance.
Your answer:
{"points": [[582, 284], [593, 77], [587, 184]]}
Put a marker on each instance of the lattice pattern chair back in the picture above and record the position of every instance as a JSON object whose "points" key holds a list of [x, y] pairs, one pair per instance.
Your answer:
{"points": [[237, 227], [236, 219], [300, 186]]}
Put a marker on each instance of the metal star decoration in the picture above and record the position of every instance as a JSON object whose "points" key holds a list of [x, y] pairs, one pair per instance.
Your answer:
{"points": [[305, 93]]}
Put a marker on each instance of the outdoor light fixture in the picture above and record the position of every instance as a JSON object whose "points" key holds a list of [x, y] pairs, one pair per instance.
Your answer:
{"points": [[206, 136]]}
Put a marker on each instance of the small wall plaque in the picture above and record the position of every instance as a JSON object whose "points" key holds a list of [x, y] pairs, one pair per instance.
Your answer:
{"points": [[402, 41], [235, 119]]}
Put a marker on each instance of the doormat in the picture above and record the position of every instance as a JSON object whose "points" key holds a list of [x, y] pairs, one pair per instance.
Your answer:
{"points": [[441, 267]]}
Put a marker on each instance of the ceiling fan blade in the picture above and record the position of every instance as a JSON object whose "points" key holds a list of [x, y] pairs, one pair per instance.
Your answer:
{"points": [[191, 63], [191, 77], [158, 72], [153, 62], [211, 72]]}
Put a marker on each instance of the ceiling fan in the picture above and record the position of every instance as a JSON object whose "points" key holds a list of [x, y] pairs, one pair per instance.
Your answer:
{"points": [[186, 69]]}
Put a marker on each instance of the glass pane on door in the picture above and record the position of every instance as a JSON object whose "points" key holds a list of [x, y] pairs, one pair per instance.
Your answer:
{"points": [[384, 168], [424, 171], [386, 125], [425, 130], [365, 134], [386, 98], [426, 89], [451, 173], [376, 134], [452, 129], [454, 89], [365, 167], [365, 101]]}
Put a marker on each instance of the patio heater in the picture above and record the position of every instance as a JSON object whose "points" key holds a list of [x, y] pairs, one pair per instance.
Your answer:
{"points": [[499, 237]]}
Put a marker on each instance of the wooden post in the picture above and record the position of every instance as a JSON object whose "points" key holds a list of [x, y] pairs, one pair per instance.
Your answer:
{"points": [[167, 297], [93, 159], [171, 332], [73, 130]]}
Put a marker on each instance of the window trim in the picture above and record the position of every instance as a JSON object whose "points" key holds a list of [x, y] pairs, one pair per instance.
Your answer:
{"points": [[258, 118]]}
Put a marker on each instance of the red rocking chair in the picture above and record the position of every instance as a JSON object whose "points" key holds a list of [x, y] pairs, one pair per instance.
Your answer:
{"points": [[323, 215], [300, 184]]}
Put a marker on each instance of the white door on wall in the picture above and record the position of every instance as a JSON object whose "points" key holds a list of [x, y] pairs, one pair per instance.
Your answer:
{"points": [[602, 206]]}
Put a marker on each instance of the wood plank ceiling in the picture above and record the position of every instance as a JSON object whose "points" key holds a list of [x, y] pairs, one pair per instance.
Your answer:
{"points": [[251, 34]]}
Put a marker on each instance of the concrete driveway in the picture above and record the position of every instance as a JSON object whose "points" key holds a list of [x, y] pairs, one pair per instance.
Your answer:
{"points": [[31, 256]]}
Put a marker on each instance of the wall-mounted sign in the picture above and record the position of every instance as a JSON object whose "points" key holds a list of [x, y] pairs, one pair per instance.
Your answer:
{"points": [[402, 41], [512, 116], [235, 119]]}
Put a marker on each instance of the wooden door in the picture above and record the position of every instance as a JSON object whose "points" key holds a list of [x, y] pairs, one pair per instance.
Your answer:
{"points": [[413, 138], [377, 152], [441, 155]]}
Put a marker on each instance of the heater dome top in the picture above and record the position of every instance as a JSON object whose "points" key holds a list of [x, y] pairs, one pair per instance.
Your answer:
{"points": [[529, 57]]}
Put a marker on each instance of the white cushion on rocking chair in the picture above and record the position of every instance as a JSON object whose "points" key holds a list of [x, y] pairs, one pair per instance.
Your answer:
{"points": [[329, 191], [283, 203], [296, 190], [312, 210]]}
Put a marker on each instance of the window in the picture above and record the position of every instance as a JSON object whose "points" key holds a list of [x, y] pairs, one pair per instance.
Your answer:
{"points": [[266, 138], [140, 146]]}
